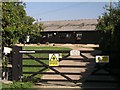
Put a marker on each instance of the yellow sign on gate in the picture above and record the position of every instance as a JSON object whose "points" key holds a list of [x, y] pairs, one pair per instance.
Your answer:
{"points": [[102, 59], [53, 59]]}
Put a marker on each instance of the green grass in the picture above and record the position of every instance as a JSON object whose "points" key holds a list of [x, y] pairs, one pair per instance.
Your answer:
{"points": [[38, 55], [17, 85], [44, 48], [33, 69], [0, 86]]}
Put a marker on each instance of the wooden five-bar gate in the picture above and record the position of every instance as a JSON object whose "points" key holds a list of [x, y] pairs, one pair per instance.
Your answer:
{"points": [[18, 72], [17, 65]]}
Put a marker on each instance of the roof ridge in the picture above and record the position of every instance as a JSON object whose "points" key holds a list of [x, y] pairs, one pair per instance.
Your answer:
{"points": [[70, 20]]}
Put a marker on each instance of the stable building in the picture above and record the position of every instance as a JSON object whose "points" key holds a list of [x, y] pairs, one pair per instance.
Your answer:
{"points": [[81, 31]]}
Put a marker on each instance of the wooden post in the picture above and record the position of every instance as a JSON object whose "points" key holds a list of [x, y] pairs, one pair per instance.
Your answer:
{"points": [[16, 63]]}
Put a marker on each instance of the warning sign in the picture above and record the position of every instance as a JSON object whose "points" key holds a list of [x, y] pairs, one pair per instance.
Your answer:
{"points": [[102, 59], [53, 59]]}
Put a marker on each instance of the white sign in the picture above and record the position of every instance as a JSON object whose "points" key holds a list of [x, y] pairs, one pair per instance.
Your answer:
{"points": [[28, 38], [102, 59], [53, 59], [60, 55], [74, 52], [7, 50]]}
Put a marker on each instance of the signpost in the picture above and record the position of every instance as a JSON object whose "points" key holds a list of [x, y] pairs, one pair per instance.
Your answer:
{"points": [[53, 59]]}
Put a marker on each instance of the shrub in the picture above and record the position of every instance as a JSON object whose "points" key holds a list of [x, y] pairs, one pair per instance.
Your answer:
{"points": [[47, 43], [19, 85]]}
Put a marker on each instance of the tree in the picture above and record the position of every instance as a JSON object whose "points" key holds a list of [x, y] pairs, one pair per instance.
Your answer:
{"points": [[16, 24], [109, 23]]}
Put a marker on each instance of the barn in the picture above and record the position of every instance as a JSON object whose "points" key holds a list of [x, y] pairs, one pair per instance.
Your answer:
{"points": [[82, 31]]}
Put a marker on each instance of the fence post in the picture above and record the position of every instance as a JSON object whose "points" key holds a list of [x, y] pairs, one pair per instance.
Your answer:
{"points": [[16, 63]]}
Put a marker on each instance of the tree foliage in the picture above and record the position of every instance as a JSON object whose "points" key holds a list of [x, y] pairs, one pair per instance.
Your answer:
{"points": [[109, 23], [16, 24]]}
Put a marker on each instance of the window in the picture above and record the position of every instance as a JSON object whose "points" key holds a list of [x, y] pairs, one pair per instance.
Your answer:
{"points": [[55, 34], [79, 35], [50, 35], [68, 35]]}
